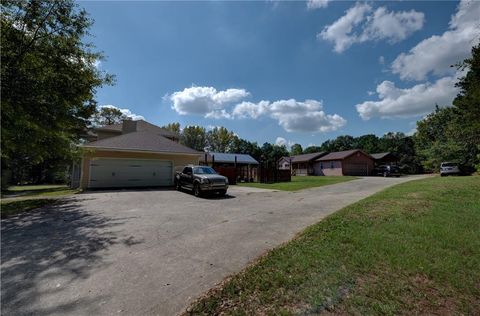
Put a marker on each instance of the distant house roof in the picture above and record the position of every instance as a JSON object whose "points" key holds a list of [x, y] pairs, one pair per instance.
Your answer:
{"points": [[306, 157], [141, 126], [230, 158], [340, 155], [379, 156], [141, 141]]}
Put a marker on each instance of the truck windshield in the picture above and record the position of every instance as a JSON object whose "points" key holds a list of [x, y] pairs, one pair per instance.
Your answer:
{"points": [[449, 164], [203, 170]]}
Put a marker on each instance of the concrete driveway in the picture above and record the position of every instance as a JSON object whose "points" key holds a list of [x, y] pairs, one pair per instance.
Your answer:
{"points": [[151, 252]]}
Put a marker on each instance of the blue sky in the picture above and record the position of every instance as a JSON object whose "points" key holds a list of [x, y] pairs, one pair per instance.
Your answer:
{"points": [[286, 72]]}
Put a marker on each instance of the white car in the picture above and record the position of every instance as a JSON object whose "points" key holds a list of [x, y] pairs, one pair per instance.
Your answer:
{"points": [[449, 168]]}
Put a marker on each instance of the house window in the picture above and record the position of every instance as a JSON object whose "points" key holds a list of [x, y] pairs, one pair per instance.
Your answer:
{"points": [[321, 165], [332, 165]]}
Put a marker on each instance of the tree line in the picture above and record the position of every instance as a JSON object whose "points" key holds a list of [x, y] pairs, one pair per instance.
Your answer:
{"points": [[49, 82]]}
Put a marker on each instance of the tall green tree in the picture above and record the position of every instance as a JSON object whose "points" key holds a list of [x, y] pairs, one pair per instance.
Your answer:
{"points": [[220, 139], [466, 124], [108, 116], [313, 149], [48, 82], [242, 146], [272, 153], [194, 137], [403, 147], [432, 139], [296, 149], [453, 133], [369, 143], [173, 127]]}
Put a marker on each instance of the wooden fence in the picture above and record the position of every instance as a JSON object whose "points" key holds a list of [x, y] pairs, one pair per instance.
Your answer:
{"points": [[229, 172], [271, 175]]}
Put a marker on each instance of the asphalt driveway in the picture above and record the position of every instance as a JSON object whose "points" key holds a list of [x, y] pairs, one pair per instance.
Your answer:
{"points": [[151, 252]]}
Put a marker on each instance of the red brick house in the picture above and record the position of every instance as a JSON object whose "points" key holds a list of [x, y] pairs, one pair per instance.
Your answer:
{"points": [[345, 163]]}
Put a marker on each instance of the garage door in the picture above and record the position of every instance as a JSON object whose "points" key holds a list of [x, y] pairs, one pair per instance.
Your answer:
{"points": [[356, 169], [109, 173]]}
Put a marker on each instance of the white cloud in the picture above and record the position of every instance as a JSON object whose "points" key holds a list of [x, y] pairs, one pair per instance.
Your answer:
{"points": [[340, 31], [361, 24], [280, 141], [249, 109], [393, 26], [381, 60], [125, 112], [436, 53], [414, 101], [317, 4], [292, 115], [206, 101]]}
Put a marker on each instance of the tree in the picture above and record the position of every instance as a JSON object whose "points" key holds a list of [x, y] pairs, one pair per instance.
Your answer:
{"points": [[344, 142], [368, 143], [453, 133], [48, 85], [194, 137], [108, 116], [242, 146], [312, 149], [272, 153], [220, 139], [403, 147], [173, 127], [296, 149], [465, 129]]}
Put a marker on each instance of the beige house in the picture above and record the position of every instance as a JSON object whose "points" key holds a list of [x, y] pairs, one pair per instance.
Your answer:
{"points": [[345, 163], [284, 163], [132, 154]]}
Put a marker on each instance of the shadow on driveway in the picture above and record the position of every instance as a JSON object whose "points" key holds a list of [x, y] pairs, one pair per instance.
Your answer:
{"points": [[45, 250]]}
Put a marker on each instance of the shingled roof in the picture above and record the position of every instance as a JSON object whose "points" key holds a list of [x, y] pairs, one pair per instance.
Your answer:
{"points": [[230, 158], [306, 157], [340, 155], [141, 126], [377, 156], [141, 141]]}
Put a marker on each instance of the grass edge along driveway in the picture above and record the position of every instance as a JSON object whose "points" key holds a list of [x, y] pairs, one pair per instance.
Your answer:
{"points": [[300, 183], [412, 248], [19, 199]]}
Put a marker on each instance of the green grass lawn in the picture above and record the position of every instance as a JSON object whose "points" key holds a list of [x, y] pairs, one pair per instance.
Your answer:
{"points": [[410, 249], [299, 183], [18, 199]]}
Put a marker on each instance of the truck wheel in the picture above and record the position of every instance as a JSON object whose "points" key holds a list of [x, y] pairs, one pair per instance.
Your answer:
{"points": [[196, 190]]}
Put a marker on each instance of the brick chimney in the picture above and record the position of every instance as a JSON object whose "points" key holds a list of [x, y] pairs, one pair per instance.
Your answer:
{"points": [[129, 126]]}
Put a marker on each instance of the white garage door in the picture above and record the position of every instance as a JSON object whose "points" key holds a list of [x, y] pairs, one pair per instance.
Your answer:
{"points": [[109, 173]]}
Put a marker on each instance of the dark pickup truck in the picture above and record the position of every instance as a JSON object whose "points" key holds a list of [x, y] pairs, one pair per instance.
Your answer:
{"points": [[200, 180], [387, 171]]}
